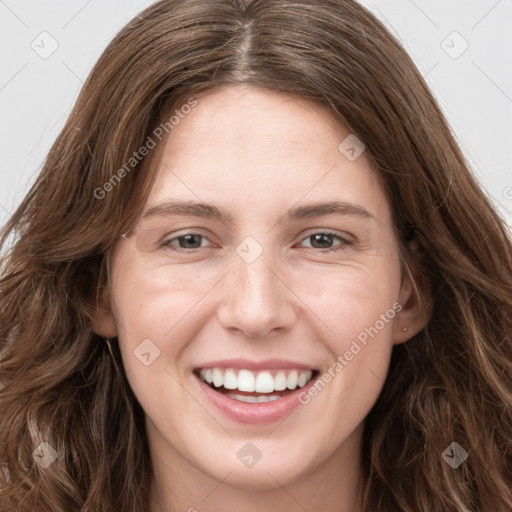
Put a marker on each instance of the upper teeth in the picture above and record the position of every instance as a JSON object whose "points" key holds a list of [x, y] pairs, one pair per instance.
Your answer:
{"points": [[260, 382]]}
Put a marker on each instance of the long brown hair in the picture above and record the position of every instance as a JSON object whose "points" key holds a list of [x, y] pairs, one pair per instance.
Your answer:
{"points": [[63, 385]]}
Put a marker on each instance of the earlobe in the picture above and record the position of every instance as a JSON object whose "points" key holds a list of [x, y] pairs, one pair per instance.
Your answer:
{"points": [[415, 312]]}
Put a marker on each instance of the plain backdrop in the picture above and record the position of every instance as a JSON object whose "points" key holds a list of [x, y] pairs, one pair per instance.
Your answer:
{"points": [[462, 48]]}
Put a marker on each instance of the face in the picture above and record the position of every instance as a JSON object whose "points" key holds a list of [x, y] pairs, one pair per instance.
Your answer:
{"points": [[266, 262]]}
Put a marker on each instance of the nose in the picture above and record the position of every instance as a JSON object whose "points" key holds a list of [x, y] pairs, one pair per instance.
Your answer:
{"points": [[257, 299]]}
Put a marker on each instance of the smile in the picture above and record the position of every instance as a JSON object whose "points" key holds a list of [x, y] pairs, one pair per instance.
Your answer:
{"points": [[258, 387], [257, 395]]}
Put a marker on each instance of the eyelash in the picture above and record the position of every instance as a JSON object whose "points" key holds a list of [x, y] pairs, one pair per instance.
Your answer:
{"points": [[342, 246]]}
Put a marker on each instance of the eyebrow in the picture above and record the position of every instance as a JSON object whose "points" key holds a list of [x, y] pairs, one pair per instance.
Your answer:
{"points": [[198, 209]]}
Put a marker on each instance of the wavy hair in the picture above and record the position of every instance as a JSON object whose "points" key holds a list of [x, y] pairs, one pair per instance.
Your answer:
{"points": [[62, 384]]}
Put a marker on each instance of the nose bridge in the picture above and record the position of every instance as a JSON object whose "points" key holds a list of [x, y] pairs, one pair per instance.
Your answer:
{"points": [[256, 301]]}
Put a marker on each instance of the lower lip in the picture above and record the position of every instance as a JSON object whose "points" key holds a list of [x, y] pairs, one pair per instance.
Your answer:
{"points": [[243, 412]]}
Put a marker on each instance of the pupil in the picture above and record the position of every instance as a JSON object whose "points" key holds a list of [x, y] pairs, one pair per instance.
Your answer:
{"points": [[323, 238], [187, 240]]}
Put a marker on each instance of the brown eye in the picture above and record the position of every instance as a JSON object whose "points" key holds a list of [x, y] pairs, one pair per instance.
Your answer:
{"points": [[189, 241], [321, 240], [324, 240]]}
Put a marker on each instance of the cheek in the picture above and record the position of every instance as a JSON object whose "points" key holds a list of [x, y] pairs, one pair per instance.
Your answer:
{"points": [[157, 311], [154, 314], [349, 299], [358, 307], [156, 300], [360, 351]]}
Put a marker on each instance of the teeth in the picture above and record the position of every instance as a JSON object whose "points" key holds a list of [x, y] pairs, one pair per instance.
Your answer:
{"points": [[280, 381], [206, 375], [264, 383], [301, 381], [259, 382], [218, 377], [230, 379], [253, 399], [263, 398], [291, 381], [245, 381]]}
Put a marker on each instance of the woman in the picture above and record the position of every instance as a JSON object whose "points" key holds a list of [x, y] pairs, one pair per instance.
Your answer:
{"points": [[337, 338]]}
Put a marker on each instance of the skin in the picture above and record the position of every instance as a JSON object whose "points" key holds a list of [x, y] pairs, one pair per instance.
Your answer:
{"points": [[258, 153]]}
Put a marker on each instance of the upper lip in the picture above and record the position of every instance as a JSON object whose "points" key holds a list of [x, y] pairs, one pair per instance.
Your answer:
{"points": [[247, 364]]}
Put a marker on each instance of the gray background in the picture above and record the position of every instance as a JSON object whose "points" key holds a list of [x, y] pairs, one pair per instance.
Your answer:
{"points": [[473, 85]]}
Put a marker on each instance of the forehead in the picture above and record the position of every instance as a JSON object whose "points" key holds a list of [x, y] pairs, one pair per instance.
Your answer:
{"points": [[250, 119], [259, 148]]}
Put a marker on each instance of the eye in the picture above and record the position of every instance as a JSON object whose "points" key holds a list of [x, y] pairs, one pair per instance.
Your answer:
{"points": [[323, 241], [187, 241]]}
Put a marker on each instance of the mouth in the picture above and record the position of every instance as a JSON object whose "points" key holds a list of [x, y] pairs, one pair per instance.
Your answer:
{"points": [[255, 387]]}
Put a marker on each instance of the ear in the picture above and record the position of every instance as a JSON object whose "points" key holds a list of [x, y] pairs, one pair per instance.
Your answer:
{"points": [[415, 301], [102, 322]]}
